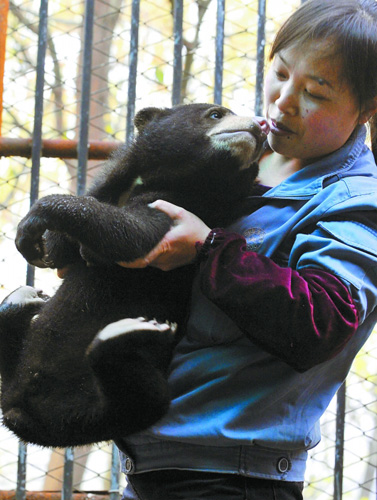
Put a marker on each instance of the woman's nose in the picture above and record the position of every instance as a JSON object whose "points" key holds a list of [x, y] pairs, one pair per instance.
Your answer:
{"points": [[287, 100]]}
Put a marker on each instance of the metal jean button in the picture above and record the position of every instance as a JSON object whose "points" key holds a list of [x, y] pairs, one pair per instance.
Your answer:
{"points": [[128, 465], [283, 464]]}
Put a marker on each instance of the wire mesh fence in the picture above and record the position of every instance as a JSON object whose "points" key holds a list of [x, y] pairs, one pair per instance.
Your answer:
{"points": [[102, 61]]}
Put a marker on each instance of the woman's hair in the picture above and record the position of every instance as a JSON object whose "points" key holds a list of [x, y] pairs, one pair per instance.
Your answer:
{"points": [[351, 25]]}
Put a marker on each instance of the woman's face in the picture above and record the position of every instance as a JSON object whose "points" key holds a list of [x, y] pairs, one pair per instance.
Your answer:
{"points": [[310, 109]]}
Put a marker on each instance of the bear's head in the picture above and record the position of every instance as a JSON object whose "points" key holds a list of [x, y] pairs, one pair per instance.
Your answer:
{"points": [[196, 145]]}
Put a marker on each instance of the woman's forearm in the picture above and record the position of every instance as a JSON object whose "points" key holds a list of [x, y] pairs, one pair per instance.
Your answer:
{"points": [[303, 317]]}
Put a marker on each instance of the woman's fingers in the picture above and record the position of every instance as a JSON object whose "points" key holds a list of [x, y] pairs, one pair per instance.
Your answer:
{"points": [[177, 248]]}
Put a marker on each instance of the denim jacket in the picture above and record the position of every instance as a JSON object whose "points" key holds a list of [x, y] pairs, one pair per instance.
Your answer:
{"points": [[235, 407]]}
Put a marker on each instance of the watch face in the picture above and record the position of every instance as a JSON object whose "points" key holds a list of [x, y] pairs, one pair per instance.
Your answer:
{"points": [[254, 238]]}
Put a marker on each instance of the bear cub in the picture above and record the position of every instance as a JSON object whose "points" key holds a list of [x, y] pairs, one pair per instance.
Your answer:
{"points": [[90, 363]]}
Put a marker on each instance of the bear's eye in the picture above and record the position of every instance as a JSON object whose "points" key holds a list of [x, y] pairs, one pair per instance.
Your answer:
{"points": [[216, 115]]}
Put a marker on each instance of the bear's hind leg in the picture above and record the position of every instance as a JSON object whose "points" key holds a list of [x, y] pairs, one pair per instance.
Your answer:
{"points": [[16, 312], [130, 358]]}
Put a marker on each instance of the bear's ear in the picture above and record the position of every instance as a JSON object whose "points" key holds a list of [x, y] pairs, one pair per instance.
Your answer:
{"points": [[145, 115]]}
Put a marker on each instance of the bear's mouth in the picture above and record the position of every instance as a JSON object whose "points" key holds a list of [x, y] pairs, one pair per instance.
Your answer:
{"points": [[242, 142], [245, 135], [237, 134]]}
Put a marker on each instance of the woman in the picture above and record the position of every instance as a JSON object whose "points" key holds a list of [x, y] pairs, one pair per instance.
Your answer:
{"points": [[285, 298]]}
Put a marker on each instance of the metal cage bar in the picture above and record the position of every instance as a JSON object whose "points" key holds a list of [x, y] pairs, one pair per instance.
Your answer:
{"points": [[4, 8], [178, 40], [21, 472], [339, 442], [85, 97], [132, 69], [219, 51], [38, 116], [57, 148], [38, 110], [68, 474], [34, 189], [261, 42]]}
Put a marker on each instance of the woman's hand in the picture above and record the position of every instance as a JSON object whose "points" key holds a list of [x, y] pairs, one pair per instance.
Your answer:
{"points": [[177, 248]]}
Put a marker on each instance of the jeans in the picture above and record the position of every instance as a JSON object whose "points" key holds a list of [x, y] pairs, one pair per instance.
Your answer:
{"points": [[193, 485]]}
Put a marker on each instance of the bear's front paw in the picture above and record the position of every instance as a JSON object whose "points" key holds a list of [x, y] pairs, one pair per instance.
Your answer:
{"points": [[25, 295], [29, 239]]}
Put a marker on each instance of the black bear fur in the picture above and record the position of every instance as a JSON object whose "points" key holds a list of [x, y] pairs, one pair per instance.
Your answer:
{"points": [[62, 383]]}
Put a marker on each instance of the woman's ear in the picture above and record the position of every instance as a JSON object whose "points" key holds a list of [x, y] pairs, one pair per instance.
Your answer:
{"points": [[368, 111]]}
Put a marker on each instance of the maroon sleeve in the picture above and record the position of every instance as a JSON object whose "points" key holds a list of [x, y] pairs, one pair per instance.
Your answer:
{"points": [[303, 317]]}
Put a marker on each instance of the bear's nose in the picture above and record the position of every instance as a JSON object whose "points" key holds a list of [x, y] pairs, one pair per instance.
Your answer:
{"points": [[263, 128]]}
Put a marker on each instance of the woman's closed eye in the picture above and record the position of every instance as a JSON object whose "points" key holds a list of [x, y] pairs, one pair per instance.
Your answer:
{"points": [[280, 75], [313, 95]]}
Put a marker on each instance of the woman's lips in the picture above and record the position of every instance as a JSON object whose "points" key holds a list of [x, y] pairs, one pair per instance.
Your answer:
{"points": [[277, 128]]}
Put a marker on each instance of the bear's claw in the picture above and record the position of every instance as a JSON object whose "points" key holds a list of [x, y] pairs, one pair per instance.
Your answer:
{"points": [[129, 325], [25, 295]]}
